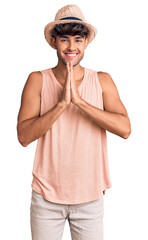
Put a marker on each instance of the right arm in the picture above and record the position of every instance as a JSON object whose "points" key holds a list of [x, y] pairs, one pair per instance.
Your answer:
{"points": [[30, 125]]}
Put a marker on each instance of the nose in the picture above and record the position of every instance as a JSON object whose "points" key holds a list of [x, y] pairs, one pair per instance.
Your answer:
{"points": [[71, 46]]}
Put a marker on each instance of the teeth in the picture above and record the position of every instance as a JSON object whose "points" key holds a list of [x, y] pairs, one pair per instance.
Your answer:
{"points": [[71, 54]]}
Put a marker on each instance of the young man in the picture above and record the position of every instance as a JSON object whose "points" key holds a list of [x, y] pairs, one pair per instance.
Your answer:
{"points": [[68, 108]]}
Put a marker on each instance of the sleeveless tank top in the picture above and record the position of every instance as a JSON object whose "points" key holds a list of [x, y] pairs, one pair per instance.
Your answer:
{"points": [[71, 159]]}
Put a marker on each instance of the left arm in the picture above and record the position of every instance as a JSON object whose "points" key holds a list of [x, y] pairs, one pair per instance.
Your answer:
{"points": [[115, 117]]}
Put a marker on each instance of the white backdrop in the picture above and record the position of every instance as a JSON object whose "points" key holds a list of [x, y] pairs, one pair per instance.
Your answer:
{"points": [[121, 49]]}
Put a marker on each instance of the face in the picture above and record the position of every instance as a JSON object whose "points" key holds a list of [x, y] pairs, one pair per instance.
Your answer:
{"points": [[70, 48]]}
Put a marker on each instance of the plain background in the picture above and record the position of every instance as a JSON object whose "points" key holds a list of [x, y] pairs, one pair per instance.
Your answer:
{"points": [[120, 48]]}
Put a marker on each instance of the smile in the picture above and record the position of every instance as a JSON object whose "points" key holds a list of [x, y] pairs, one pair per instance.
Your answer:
{"points": [[71, 55]]}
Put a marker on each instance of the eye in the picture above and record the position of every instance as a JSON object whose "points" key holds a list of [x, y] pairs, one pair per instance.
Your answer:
{"points": [[78, 40], [63, 40]]}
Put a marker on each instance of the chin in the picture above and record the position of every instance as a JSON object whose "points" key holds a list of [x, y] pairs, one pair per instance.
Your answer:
{"points": [[75, 64]]}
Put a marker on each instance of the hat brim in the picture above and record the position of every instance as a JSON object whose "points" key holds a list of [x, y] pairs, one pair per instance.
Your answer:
{"points": [[50, 26]]}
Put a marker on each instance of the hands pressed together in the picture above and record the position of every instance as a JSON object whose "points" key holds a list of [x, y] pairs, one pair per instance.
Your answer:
{"points": [[70, 90]]}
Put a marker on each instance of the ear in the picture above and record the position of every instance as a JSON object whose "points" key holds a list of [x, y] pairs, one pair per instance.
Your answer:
{"points": [[86, 43], [53, 43]]}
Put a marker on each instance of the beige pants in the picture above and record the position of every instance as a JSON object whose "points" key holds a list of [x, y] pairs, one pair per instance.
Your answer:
{"points": [[47, 219]]}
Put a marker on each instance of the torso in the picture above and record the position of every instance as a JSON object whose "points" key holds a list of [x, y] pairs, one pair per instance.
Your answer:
{"points": [[62, 82], [101, 76]]}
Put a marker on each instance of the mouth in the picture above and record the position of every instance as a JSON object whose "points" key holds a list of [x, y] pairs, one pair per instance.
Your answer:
{"points": [[71, 55]]}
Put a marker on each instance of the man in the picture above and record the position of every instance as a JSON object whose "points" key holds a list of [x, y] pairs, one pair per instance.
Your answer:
{"points": [[68, 108]]}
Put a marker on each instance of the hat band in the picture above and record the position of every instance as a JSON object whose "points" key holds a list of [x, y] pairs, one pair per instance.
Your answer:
{"points": [[71, 18]]}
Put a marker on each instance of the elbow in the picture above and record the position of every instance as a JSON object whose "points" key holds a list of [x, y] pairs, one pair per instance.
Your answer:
{"points": [[21, 141], [21, 137], [24, 144], [127, 130], [127, 133]]}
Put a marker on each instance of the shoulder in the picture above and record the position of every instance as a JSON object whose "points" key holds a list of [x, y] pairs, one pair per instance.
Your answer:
{"points": [[35, 76], [34, 81], [106, 81]]}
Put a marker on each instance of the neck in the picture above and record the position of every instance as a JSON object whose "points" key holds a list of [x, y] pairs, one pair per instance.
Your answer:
{"points": [[60, 70]]}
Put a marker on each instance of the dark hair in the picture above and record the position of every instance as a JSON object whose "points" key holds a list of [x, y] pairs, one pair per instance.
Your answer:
{"points": [[70, 29]]}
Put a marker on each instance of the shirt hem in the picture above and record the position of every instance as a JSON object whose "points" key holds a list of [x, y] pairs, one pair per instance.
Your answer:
{"points": [[97, 197]]}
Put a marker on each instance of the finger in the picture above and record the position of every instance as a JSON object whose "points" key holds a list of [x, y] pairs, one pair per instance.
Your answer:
{"points": [[68, 71], [70, 66], [71, 70], [67, 66]]}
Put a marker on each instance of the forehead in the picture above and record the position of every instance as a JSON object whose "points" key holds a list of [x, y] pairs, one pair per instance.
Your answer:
{"points": [[71, 37]]}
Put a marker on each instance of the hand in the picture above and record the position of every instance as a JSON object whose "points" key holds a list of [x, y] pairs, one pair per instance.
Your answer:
{"points": [[75, 97], [66, 95]]}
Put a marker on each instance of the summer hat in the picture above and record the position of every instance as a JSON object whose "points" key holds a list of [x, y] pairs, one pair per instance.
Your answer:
{"points": [[67, 14]]}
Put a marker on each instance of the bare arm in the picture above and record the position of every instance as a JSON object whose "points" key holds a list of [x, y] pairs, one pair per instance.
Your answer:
{"points": [[114, 118], [31, 125]]}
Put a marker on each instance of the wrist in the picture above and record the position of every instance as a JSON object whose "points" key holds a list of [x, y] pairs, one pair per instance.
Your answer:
{"points": [[78, 102], [62, 104]]}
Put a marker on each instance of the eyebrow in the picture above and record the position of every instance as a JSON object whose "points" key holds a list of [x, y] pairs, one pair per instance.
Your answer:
{"points": [[79, 37]]}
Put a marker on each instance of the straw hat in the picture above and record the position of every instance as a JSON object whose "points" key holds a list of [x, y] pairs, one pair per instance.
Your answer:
{"points": [[67, 14]]}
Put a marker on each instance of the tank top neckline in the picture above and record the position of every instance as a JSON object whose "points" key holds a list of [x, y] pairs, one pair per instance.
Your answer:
{"points": [[60, 85]]}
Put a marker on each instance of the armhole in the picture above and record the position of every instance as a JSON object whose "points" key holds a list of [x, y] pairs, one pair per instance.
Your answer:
{"points": [[99, 84], [101, 90], [41, 95], [42, 83]]}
